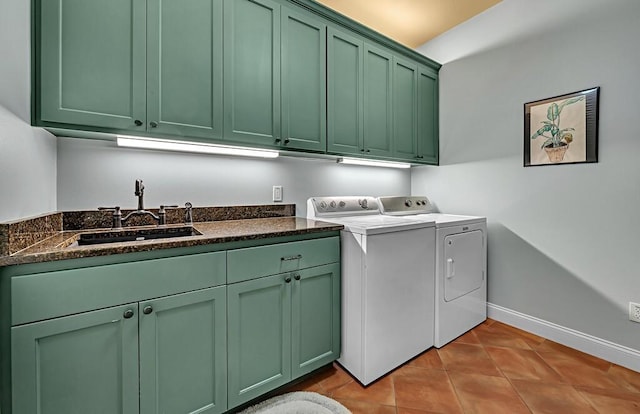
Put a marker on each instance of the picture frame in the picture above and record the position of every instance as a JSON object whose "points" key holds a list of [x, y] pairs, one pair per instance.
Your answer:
{"points": [[562, 129]]}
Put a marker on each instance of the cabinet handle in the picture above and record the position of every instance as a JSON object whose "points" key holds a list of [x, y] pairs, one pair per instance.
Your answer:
{"points": [[137, 122], [289, 258], [128, 314], [153, 124], [296, 276], [286, 141], [147, 310], [368, 150], [278, 140], [287, 279]]}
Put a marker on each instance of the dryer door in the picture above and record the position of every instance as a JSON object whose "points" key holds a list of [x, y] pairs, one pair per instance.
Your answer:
{"points": [[462, 264]]}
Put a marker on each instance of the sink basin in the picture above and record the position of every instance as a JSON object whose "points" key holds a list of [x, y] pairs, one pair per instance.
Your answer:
{"points": [[126, 235]]}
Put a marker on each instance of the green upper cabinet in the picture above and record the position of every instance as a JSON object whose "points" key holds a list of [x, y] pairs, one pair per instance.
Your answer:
{"points": [[252, 71], [85, 363], [183, 353], [378, 99], [280, 74], [405, 109], [345, 118], [92, 63], [427, 115], [184, 68], [304, 89]]}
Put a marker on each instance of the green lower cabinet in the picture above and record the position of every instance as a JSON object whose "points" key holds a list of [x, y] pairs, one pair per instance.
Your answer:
{"points": [[281, 327], [183, 353], [259, 332], [86, 363], [315, 323]]}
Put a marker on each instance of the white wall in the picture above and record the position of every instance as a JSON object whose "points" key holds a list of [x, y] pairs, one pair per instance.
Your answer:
{"points": [[564, 240], [27, 155], [97, 173]]}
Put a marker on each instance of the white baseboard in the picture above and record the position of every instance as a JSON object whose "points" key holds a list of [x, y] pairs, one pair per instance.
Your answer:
{"points": [[601, 348]]}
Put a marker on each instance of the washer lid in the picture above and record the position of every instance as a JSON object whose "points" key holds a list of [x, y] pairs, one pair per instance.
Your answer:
{"points": [[375, 224]]}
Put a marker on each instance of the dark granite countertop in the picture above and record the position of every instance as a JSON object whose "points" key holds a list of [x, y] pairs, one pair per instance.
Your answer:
{"points": [[54, 236], [63, 245]]}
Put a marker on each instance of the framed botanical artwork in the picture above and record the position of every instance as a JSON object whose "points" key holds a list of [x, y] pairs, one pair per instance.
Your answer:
{"points": [[562, 129]]}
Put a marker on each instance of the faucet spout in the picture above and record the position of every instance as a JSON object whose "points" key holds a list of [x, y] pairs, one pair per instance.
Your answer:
{"points": [[140, 194]]}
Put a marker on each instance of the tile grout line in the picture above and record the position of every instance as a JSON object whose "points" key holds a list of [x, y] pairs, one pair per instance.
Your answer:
{"points": [[506, 377]]}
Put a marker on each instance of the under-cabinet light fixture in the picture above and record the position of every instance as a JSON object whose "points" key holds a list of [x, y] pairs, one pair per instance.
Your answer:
{"points": [[374, 163], [169, 145]]}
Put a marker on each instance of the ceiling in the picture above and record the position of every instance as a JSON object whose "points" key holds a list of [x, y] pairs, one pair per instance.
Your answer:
{"points": [[410, 22]]}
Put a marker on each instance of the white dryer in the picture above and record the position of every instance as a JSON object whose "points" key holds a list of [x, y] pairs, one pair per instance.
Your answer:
{"points": [[387, 284], [461, 265]]}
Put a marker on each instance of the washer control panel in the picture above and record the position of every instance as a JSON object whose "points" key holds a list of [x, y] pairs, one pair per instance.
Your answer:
{"points": [[341, 206]]}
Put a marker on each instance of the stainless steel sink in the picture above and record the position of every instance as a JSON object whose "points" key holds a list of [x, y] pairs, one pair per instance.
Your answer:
{"points": [[127, 235]]}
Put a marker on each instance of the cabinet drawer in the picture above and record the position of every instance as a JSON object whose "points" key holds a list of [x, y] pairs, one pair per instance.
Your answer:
{"points": [[254, 262], [47, 295]]}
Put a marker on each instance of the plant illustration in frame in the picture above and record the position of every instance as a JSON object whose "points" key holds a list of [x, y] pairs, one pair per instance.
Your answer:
{"points": [[562, 130]]}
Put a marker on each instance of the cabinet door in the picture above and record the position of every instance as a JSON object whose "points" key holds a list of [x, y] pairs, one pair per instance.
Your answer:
{"points": [[183, 365], [405, 107], [259, 332], [315, 321], [427, 116], [184, 81], [92, 63], [304, 90], [345, 93], [252, 71], [85, 363], [378, 98]]}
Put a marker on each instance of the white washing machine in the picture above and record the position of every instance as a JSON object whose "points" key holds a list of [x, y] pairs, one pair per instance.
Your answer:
{"points": [[387, 284], [461, 265]]}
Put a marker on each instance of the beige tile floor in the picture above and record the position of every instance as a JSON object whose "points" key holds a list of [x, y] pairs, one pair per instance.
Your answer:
{"points": [[492, 369]]}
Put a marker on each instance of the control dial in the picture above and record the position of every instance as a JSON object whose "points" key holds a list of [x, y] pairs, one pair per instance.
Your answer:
{"points": [[323, 205], [363, 203], [342, 204], [408, 203], [332, 204]]}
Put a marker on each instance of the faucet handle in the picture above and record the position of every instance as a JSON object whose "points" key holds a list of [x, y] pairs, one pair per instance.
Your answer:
{"points": [[162, 214], [117, 215], [116, 209], [188, 213], [163, 208]]}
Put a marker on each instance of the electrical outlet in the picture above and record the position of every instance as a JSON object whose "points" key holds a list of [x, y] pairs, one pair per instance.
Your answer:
{"points": [[634, 312], [277, 193]]}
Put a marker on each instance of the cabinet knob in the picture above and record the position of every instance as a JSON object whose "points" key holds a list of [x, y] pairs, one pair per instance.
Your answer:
{"points": [[153, 124], [287, 279], [296, 276], [147, 310], [138, 122], [128, 314], [278, 140], [286, 141]]}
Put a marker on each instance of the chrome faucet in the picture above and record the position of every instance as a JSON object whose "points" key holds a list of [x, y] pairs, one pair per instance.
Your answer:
{"points": [[118, 220], [140, 194]]}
